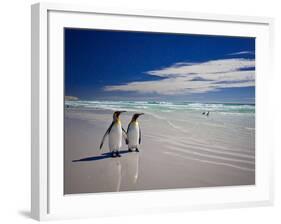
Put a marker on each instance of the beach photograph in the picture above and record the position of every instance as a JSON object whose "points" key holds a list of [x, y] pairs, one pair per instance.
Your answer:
{"points": [[157, 111]]}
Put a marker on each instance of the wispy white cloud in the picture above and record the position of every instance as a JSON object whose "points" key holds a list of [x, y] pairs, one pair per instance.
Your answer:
{"points": [[188, 78], [210, 67], [242, 52]]}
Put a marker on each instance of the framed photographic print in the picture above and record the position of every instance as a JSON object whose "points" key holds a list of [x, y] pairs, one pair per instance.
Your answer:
{"points": [[148, 110]]}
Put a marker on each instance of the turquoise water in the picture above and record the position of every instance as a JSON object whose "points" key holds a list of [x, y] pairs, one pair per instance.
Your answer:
{"points": [[164, 106]]}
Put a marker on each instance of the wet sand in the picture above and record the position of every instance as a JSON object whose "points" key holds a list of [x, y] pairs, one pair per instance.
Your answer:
{"points": [[177, 151]]}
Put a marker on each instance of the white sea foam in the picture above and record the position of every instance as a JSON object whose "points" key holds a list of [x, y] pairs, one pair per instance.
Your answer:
{"points": [[166, 106]]}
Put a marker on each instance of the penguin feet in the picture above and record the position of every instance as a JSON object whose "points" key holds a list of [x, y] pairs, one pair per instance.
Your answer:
{"points": [[137, 150], [118, 154], [113, 154], [130, 150]]}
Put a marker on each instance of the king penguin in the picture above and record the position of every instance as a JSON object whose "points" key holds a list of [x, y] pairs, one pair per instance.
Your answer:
{"points": [[115, 133], [134, 133]]}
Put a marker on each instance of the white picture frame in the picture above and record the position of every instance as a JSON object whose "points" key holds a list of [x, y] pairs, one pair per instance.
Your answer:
{"points": [[47, 199]]}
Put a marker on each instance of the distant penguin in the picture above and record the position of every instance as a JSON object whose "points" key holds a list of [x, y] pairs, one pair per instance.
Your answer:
{"points": [[134, 133], [207, 114], [203, 113], [115, 133]]}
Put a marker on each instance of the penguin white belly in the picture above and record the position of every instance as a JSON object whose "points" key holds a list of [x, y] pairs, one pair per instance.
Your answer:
{"points": [[133, 135], [115, 137]]}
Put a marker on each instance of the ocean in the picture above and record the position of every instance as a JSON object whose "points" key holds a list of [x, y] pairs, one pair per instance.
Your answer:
{"points": [[164, 106]]}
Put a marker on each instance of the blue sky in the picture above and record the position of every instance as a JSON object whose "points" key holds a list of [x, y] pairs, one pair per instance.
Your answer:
{"points": [[121, 65]]}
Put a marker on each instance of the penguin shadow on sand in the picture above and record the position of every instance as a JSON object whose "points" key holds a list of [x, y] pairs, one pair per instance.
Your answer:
{"points": [[107, 155]]}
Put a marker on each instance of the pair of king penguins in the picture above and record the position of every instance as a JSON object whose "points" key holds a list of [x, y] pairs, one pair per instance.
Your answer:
{"points": [[115, 133]]}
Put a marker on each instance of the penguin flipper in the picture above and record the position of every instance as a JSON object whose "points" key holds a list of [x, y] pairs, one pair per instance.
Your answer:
{"points": [[140, 135], [127, 140], [125, 136], [106, 133]]}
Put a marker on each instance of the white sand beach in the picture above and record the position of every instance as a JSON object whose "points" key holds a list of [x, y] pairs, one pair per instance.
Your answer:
{"points": [[178, 150]]}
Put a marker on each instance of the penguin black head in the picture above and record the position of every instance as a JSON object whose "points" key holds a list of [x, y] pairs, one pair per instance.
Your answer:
{"points": [[135, 116], [116, 114]]}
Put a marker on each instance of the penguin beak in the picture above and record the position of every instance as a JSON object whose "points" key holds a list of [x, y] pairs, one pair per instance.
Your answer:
{"points": [[122, 111], [139, 114]]}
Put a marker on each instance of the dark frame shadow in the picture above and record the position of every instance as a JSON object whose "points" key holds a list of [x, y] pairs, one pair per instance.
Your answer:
{"points": [[106, 155]]}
